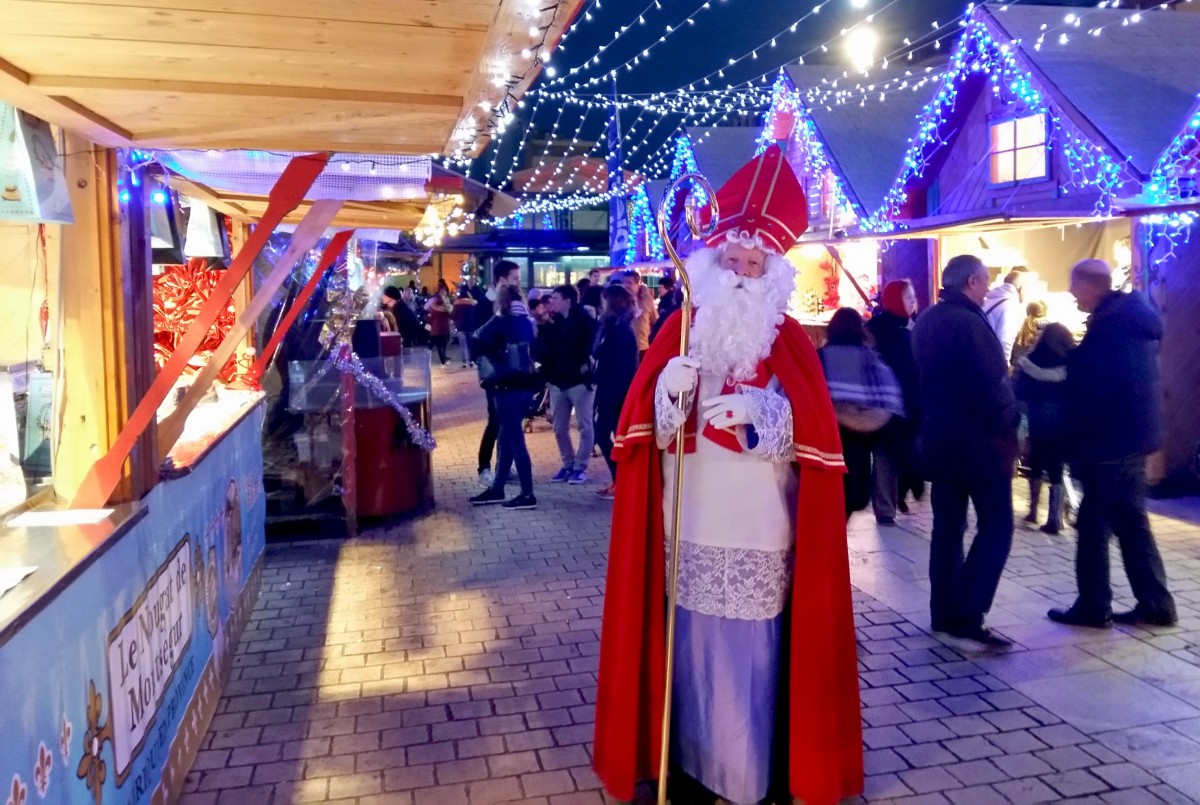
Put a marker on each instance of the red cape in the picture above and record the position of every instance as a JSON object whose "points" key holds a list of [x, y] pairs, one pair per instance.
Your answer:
{"points": [[824, 729]]}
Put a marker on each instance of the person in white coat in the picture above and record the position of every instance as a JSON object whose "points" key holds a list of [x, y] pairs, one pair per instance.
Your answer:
{"points": [[1005, 309]]}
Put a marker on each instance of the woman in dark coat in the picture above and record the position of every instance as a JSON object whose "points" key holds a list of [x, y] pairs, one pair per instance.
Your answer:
{"points": [[1041, 385], [895, 470], [616, 357], [503, 346]]}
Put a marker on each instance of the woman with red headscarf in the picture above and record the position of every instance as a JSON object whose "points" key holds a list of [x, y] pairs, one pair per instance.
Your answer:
{"points": [[895, 450]]}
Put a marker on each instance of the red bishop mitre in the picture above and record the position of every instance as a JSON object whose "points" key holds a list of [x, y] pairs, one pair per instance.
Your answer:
{"points": [[763, 198]]}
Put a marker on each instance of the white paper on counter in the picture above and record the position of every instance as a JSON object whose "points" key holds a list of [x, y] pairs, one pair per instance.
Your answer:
{"points": [[12, 576], [59, 517]]}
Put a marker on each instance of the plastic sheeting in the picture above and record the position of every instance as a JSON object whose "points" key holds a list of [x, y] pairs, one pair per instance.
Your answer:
{"points": [[351, 177]]}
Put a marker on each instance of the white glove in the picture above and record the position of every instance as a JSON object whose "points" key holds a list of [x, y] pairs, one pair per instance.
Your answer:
{"points": [[680, 375], [727, 411]]}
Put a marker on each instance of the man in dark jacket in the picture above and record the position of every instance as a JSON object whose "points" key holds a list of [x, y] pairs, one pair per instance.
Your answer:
{"points": [[565, 352], [1115, 418], [968, 448]]}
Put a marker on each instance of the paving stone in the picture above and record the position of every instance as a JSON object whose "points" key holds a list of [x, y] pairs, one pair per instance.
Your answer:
{"points": [[452, 658]]}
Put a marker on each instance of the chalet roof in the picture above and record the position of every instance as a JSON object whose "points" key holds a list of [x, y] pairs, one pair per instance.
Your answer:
{"points": [[1136, 83], [867, 142], [721, 150]]}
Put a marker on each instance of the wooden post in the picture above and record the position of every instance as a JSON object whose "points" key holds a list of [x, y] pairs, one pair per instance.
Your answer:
{"points": [[106, 324], [245, 291]]}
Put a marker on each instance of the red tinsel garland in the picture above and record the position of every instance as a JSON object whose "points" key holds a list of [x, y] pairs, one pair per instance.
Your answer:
{"points": [[179, 293]]}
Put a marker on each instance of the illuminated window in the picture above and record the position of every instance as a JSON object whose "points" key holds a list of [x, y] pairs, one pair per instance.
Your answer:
{"points": [[1018, 149]]}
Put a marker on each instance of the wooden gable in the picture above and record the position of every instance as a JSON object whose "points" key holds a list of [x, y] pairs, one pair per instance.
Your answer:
{"points": [[959, 180]]}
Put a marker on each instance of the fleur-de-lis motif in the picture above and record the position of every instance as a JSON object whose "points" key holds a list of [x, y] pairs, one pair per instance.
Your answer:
{"points": [[18, 792], [41, 770], [64, 740], [92, 768]]}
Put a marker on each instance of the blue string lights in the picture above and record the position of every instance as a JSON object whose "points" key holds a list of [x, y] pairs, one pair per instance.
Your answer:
{"points": [[789, 117], [1172, 181], [978, 53], [642, 230]]}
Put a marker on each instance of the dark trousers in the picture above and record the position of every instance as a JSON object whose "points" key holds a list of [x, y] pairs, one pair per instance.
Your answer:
{"points": [[856, 450], [962, 591], [1114, 502], [605, 428], [487, 444], [439, 343], [511, 407]]}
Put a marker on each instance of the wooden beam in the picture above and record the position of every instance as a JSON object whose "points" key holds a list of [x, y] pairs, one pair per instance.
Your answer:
{"points": [[107, 332], [210, 197], [510, 27], [307, 144], [469, 15], [316, 121], [64, 112], [64, 84]]}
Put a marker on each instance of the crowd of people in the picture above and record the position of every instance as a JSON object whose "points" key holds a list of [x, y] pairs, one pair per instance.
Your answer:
{"points": [[943, 397], [571, 352]]}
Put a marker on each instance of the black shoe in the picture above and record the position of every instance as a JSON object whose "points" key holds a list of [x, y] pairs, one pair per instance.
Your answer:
{"points": [[1141, 617], [979, 634], [522, 502], [902, 506], [1077, 617], [885, 520], [1050, 529], [488, 497]]}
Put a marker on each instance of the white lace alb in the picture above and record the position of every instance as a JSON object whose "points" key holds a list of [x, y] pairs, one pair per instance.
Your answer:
{"points": [[771, 413], [737, 583], [668, 419]]}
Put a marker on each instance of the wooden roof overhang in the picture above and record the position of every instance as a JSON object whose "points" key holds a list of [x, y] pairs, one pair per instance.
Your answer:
{"points": [[360, 76], [249, 208]]}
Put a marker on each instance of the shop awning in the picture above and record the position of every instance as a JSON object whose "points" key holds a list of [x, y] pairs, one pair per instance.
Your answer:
{"points": [[364, 76]]}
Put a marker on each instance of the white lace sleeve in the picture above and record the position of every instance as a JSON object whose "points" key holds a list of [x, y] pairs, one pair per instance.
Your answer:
{"points": [[771, 413], [667, 416]]}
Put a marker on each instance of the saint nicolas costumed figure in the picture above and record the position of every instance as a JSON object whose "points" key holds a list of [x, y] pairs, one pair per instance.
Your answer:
{"points": [[765, 688]]}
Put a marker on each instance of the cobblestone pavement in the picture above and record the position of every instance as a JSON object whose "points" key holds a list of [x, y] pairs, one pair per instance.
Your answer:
{"points": [[452, 659]]}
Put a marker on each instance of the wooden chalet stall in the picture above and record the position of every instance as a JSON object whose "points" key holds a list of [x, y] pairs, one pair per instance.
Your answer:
{"points": [[127, 583], [1039, 153]]}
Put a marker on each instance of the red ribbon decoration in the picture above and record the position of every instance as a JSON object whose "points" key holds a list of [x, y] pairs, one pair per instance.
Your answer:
{"points": [[104, 476], [335, 246]]}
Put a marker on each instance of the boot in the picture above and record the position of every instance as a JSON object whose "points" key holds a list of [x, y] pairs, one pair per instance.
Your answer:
{"points": [[1035, 496], [1054, 518]]}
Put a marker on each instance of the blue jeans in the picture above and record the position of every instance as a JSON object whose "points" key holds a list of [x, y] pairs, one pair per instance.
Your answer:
{"points": [[511, 407]]}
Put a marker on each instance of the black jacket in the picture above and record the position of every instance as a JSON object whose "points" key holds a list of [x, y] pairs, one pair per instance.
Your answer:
{"points": [[564, 348], [483, 310], [504, 346], [968, 412], [667, 305], [1040, 381], [616, 357], [1114, 391], [893, 342]]}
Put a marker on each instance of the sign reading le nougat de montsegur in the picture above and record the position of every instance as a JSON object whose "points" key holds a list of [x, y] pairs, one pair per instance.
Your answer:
{"points": [[144, 651]]}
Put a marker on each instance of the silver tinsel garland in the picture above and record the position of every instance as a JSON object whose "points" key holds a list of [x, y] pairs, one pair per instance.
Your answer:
{"points": [[347, 361]]}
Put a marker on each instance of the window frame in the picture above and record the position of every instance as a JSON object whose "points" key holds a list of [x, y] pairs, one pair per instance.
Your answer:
{"points": [[1012, 152]]}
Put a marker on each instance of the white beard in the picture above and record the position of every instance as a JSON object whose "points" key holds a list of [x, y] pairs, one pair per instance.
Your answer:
{"points": [[737, 318]]}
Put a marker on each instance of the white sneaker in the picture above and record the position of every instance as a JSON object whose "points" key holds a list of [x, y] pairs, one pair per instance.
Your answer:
{"points": [[486, 478]]}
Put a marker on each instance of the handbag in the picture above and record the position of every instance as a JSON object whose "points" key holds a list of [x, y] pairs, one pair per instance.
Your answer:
{"points": [[860, 418]]}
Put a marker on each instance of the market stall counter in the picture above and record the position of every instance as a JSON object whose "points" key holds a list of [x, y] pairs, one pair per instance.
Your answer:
{"points": [[117, 642]]}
